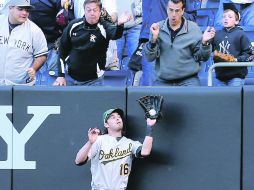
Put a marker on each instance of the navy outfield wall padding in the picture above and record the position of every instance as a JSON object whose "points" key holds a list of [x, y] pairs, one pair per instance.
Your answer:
{"points": [[5, 174], [55, 144], [197, 144], [248, 140]]}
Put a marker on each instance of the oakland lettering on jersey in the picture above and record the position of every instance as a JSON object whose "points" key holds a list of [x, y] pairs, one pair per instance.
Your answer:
{"points": [[114, 154], [4, 40]]}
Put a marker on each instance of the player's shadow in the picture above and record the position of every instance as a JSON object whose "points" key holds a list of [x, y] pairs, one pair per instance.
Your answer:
{"points": [[164, 152], [143, 168]]}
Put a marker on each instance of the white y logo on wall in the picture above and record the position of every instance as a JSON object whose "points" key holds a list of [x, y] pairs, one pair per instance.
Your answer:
{"points": [[16, 141]]}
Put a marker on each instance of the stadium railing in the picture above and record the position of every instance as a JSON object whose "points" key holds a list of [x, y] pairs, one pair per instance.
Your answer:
{"points": [[225, 64]]}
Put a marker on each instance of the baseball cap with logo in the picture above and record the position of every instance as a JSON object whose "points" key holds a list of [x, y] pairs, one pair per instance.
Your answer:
{"points": [[107, 113], [232, 6], [21, 3]]}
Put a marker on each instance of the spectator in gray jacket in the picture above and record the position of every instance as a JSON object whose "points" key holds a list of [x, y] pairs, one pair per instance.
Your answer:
{"points": [[178, 46]]}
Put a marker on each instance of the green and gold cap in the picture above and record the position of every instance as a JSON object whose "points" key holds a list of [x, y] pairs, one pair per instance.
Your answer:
{"points": [[107, 113]]}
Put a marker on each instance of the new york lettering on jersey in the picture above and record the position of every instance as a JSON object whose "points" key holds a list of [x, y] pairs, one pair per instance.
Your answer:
{"points": [[4, 40], [16, 43], [22, 45]]}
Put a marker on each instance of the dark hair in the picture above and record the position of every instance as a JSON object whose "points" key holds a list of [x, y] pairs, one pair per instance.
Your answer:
{"points": [[179, 1], [97, 2]]}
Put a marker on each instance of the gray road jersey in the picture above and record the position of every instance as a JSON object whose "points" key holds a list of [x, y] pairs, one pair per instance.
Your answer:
{"points": [[111, 162]]}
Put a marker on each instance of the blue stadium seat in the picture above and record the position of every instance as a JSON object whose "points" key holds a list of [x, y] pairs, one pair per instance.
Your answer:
{"points": [[118, 78], [212, 4], [192, 5], [249, 30], [205, 17]]}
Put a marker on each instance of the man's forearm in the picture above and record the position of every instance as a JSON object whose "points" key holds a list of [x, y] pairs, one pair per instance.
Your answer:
{"points": [[38, 62], [148, 142], [147, 146], [82, 154]]}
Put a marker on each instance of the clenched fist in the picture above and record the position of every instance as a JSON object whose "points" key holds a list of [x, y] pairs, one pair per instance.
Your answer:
{"points": [[155, 28]]}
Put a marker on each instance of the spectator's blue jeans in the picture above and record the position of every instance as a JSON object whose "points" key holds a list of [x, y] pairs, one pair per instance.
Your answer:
{"points": [[192, 81], [50, 65], [149, 75], [129, 40], [72, 82], [247, 14], [51, 62], [232, 82]]}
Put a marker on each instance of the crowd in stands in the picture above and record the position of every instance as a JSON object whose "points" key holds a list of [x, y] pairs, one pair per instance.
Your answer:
{"points": [[74, 42]]}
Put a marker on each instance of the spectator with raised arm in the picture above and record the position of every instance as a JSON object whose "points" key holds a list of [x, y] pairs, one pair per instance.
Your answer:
{"points": [[84, 44], [177, 46]]}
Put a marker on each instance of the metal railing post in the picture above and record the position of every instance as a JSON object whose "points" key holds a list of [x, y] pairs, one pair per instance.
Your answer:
{"points": [[225, 64]]}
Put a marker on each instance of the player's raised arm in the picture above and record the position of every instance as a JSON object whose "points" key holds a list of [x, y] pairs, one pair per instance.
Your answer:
{"points": [[152, 105], [82, 154], [148, 141]]}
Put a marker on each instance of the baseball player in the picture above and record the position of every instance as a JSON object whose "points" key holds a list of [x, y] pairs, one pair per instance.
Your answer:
{"points": [[111, 154], [23, 45]]}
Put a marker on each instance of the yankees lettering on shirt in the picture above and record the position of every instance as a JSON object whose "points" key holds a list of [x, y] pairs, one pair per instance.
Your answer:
{"points": [[114, 154], [16, 141]]}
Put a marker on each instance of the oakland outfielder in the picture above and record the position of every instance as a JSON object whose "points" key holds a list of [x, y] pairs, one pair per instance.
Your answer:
{"points": [[111, 154]]}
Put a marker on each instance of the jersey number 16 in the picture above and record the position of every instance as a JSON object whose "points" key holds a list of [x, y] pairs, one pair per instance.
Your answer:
{"points": [[124, 169]]}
